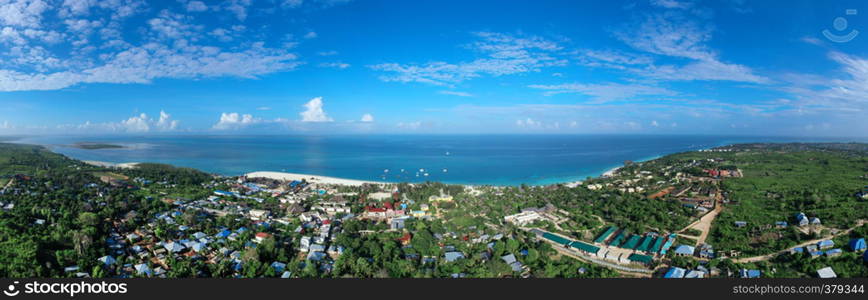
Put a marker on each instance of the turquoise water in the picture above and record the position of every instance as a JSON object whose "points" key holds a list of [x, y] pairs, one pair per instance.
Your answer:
{"points": [[460, 159]]}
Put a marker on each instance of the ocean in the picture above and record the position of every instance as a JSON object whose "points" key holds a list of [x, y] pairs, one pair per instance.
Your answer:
{"points": [[457, 159]]}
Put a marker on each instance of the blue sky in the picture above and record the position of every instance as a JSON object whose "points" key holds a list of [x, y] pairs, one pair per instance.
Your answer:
{"points": [[342, 66]]}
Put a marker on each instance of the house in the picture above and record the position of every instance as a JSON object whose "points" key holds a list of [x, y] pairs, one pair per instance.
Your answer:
{"points": [[684, 250], [826, 244], [826, 272], [857, 244], [453, 256], [695, 274], [801, 219], [674, 272], [143, 269], [261, 236], [781, 224], [107, 260], [834, 252], [740, 224], [512, 262], [815, 221], [278, 266], [397, 223], [316, 255], [745, 273], [173, 247]]}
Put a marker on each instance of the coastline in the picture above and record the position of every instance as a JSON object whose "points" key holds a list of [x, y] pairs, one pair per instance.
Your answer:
{"points": [[311, 178], [127, 165]]}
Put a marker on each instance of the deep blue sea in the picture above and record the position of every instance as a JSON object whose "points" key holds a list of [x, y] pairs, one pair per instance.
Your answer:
{"points": [[460, 159]]}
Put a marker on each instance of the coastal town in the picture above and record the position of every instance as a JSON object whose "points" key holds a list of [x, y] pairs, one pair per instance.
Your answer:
{"points": [[680, 216]]}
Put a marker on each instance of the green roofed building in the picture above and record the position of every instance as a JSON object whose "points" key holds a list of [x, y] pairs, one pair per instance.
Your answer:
{"points": [[632, 242], [645, 244], [585, 247], [639, 258], [619, 239], [556, 238], [606, 234], [657, 244]]}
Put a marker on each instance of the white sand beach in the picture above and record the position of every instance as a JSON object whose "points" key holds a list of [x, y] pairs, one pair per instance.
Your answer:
{"points": [[309, 178], [128, 165], [611, 172]]}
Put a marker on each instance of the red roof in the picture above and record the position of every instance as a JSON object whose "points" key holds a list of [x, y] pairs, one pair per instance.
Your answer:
{"points": [[375, 209], [263, 235], [326, 222], [406, 237]]}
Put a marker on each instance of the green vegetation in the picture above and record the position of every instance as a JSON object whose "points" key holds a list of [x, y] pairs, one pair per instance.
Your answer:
{"points": [[96, 146]]}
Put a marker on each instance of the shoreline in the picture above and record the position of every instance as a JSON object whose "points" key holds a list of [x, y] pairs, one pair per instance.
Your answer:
{"points": [[311, 178]]}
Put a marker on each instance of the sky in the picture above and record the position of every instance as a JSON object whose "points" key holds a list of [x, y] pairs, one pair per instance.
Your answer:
{"points": [[794, 68]]}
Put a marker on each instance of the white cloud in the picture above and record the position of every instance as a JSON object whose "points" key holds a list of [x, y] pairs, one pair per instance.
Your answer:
{"points": [[235, 121], [672, 4], [671, 35], [503, 55], [456, 93], [410, 125], [310, 35], [140, 123], [367, 118], [165, 123], [654, 123], [196, 6], [23, 13], [528, 123], [263, 108], [327, 53], [314, 111], [605, 92], [336, 65]]}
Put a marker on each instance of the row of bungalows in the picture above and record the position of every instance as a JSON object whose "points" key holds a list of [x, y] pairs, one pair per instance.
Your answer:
{"points": [[650, 243], [567, 243]]}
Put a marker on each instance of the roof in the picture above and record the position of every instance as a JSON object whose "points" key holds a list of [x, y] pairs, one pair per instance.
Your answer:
{"points": [[646, 242], [509, 259], [584, 247], [685, 250], [609, 231], [674, 272], [745, 273], [826, 272], [619, 239], [857, 244], [453, 256], [695, 274], [826, 243], [639, 258], [556, 238], [632, 242], [658, 243]]}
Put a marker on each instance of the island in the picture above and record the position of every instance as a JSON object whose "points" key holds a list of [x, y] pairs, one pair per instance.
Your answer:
{"points": [[96, 146], [744, 210]]}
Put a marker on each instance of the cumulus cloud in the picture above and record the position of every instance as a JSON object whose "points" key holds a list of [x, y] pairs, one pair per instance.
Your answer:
{"points": [[314, 111], [89, 43], [235, 121], [367, 118], [140, 123], [196, 6]]}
